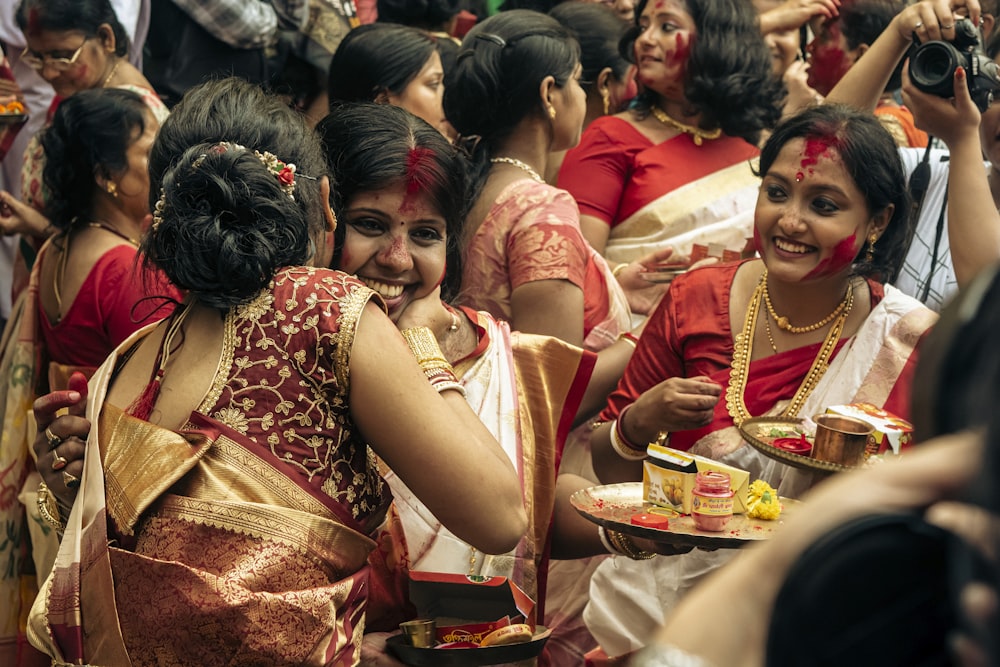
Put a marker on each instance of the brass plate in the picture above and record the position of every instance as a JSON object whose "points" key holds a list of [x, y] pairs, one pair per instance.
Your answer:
{"points": [[754, 431], [613, 505], [467, 657]]}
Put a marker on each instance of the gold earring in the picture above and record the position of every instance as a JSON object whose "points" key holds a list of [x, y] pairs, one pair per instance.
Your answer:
{"points": [[552, 112], [112, 189], [870, 254], [606, 98]]}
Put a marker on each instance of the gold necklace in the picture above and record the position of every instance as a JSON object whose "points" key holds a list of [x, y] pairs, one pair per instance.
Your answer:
{"points": [[108, 228], [783, 322], [523, 166], [111, 73], [770, 338], [743, 349], [698, 135]]}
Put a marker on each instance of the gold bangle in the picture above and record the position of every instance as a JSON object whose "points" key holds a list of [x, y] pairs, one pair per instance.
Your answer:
{"points": [[624, 545], [48, 508], [629, 338], [425, 348], [619, 268]]}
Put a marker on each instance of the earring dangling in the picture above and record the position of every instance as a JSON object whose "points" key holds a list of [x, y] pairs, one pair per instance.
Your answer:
{"points": [[552, 112], [606, 98], [870, 254], [112, 189]]}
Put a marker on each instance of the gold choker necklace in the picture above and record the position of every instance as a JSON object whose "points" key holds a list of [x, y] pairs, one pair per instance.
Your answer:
{"points": [[698, 135], [111, 74], [523, 166], [743, 351], [783, 322]]}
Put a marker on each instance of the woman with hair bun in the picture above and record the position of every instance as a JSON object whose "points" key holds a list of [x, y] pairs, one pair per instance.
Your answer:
{"points": [[608, 77], [391, 64], [673, 168], [230, 487]]}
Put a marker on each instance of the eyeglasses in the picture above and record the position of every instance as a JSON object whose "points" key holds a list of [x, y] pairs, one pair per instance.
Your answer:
{"points": [[37, 62]]}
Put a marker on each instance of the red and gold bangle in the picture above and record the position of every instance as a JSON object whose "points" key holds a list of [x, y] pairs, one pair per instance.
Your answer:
{"points": [[620, 443], [629, 338]]}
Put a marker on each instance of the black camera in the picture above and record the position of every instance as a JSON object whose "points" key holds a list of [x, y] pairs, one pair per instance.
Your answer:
{"points": [[932, 65]]}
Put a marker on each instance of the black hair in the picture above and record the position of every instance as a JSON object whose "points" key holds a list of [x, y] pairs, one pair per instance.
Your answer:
{"points": [[377, 58], [225, 233], [89, 136], [495, 82], [371, 147], [425, 14], [871, 157], [84, 16], [598, 29], [862, 21], [730, 77]]}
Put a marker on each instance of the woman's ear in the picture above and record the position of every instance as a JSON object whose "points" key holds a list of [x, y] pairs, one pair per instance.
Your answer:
{"points": [[603, 81], [328, 214], [880, 221], [106, 34], [545, 90]]}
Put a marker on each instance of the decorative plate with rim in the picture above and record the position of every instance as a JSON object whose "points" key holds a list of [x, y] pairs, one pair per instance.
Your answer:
{"points": [[467, 657], [613, 506], [761, 432]]}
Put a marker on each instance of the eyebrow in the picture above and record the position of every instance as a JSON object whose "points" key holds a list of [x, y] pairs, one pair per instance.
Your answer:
{"points": [[823, 187]]}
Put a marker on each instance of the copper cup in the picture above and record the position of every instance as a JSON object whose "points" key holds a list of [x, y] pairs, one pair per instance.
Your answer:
{"points": [[420, 633], [841, 439]]}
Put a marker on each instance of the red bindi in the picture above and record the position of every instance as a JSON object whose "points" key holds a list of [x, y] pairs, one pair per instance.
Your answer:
{"points": [[842, 257]]}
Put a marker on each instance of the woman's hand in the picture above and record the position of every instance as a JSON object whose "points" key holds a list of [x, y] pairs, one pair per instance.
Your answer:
{"points": [[792, 14], [800, 94], [932, 20], [947, 119], [61, 441], [16, 217], [676, 404], [373, 651], [428, 311], [642, 294]]}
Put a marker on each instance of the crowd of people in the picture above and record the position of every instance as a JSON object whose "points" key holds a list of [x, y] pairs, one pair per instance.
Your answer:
{"points": [[386, 299]]}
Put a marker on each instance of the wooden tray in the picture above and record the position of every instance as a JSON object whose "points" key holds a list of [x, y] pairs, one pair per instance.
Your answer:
{"points": [[754, 431], [613, 505], [467, 657]]}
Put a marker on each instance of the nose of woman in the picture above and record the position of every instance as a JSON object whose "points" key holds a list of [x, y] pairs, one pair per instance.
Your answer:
{"points": [[396, 254]]}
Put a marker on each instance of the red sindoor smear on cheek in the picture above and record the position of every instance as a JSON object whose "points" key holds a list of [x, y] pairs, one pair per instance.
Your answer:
{"points": [[682, 49], [842, 257], [444, 272], [758, 242]]}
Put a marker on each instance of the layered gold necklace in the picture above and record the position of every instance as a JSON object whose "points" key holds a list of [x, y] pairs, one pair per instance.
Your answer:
{"points": [[698, 135], [743, 350]]}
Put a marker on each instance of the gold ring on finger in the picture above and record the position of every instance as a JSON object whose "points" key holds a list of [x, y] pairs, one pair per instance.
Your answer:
{"points": [[71, 481], [58, 462], [918, 25], [54, 440]]}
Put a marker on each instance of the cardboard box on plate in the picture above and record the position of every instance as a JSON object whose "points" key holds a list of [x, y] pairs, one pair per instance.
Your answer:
{"points": [[468, 607], [668, 477], [891, 433]]}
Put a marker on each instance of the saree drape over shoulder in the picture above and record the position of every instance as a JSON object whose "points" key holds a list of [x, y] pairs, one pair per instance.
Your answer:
{"points": [[526, 389], [655, 195], [244, 537], [690, 335]]}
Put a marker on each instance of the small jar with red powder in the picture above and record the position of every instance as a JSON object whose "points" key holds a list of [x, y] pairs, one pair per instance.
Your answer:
{"points": [[711, 501]]}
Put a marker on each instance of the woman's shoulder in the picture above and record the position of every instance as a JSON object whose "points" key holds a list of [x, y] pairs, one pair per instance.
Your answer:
{"points": [[529, 195], [617, 129]]}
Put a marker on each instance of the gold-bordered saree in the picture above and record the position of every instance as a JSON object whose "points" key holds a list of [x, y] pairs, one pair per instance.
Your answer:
{"points": [[229, 560]]}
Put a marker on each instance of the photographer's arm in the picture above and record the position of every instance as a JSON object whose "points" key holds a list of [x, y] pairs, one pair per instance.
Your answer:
{"points": [[864, 83], [973, 220]]}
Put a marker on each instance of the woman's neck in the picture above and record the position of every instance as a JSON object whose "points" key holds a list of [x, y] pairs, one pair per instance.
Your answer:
{"points": [[530, 142], [106, 212], [806, 302], [679, 110]]}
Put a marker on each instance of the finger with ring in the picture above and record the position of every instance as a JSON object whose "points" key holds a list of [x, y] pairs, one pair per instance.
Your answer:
{"points": [[58, 462], [948, 27], [71, 481], [54, 440], [918, 25]]}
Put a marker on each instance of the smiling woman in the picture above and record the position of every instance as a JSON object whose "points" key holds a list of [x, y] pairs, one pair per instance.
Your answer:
{"points": [[808, 325]]}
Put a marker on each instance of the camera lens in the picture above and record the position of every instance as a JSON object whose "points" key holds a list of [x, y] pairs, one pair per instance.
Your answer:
{"points": [[932, 66]]}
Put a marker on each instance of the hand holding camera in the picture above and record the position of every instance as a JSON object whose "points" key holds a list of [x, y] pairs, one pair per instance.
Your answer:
{"points": [[933, 64]]}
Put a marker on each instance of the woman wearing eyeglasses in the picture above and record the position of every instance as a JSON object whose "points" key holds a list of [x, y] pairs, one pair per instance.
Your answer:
{"points": [[74, 45]]}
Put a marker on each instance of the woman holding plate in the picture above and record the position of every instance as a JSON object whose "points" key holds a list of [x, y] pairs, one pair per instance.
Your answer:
{"points": [[809, 324]]}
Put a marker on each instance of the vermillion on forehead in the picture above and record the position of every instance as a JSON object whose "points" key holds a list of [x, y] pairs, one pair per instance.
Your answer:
{"points": [[418, 163], [813, 149], [660, 4], [842, 257]]}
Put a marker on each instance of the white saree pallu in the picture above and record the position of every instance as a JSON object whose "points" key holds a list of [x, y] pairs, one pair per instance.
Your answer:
{"points": [[714, 210]]}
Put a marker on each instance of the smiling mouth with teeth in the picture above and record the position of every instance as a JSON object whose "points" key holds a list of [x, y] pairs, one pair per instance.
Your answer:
{"points": [[385, 290], [788, 246]]}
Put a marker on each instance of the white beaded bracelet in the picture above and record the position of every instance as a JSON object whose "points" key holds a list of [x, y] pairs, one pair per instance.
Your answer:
{"points": [[621, 448]]}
